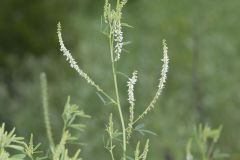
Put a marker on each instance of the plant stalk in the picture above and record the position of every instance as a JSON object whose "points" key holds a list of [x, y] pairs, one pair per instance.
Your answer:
{"points": [[111, 150], [117, 96]]}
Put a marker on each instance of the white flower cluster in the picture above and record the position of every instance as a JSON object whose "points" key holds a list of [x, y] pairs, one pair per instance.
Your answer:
{"points": [[70, 59], [131, 82], [162, 80], [113, 18], [118, 39], [107, 11], [124, 2], [164, 71]]}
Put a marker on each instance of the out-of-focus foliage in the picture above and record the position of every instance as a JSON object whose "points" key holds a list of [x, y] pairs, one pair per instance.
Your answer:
{"points": [[202, 144], [9, 142], [203, 77], [29, 26]]}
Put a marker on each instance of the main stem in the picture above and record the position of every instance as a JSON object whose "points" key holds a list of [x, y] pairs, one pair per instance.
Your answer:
{"points": [[118, 2], [117, 96]]}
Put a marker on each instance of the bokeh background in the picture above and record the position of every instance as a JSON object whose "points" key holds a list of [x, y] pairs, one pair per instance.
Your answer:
{"points": [[203, 82]]}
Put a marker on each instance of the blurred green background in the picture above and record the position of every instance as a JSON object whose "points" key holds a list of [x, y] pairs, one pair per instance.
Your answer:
{"points": [[203, 37]]}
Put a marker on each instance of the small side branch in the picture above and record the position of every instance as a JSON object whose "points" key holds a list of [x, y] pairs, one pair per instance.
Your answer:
{"points": [[74, 65], [161, 84]]}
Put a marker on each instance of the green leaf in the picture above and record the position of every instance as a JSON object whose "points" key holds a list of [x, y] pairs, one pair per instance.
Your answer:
{"points": [[140, 128], [127, 43], [141, 125], [125, 50], [126, 25], [17, 157], [123, 74], [147, 131], [16, 147], [218, 155], [101, 98], [79, 127]]}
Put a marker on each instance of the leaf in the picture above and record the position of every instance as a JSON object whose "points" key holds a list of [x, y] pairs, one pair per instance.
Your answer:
{"points": [[141, 125], [127, 51], [127, 43], [104, 31], [18, 156], [123, 74], [140, 128], [19, 148], [126, 25], [72, 139], [116, 134], [148, 131], [218, 155], [79, 127], [101, 98]]}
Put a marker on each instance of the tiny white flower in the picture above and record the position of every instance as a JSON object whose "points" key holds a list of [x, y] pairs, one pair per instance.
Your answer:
{"points": [[131, 82], [164, 71], [118, 39]]}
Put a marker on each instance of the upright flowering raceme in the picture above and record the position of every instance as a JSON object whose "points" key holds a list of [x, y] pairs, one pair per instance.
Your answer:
{"points": [[164, 67], [118, 39], [162, 81], [112, 18], [70, 59], [131, 83]]}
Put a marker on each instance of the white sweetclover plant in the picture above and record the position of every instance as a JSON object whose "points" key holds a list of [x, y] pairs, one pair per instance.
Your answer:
{"points": [[113, 31], [205, 137]]}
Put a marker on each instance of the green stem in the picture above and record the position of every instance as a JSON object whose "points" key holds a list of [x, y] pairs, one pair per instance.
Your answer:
{"points": [[111, 150], [117, 96], [202, 149], [118, 2], [210, 150]]}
